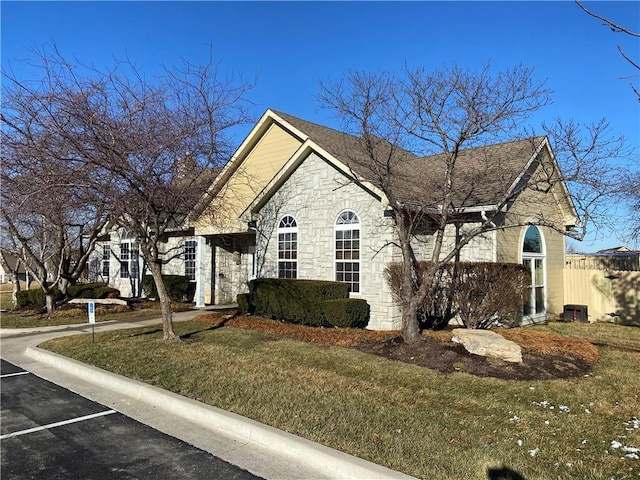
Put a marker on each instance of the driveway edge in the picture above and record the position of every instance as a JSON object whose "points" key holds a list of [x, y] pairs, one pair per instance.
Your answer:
{"points": [[332, 463]]}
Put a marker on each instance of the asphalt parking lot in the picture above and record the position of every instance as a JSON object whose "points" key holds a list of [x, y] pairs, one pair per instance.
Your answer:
{"points": [[48, 432]]}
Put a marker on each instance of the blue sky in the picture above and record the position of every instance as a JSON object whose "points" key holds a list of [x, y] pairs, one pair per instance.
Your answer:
{"points": [[289, 46]]}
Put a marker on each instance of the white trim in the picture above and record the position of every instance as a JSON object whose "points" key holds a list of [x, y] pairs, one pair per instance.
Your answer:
{"points": [[343, 227], [201, 271], [533, 256], [284, 231], [303, 152]]}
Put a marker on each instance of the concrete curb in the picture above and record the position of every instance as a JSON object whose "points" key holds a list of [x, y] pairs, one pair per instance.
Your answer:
{"points": [[333, 463]]}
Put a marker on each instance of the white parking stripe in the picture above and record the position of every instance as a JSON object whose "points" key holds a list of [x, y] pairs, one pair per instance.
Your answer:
{"points": [[13, 374], [57, 424]]}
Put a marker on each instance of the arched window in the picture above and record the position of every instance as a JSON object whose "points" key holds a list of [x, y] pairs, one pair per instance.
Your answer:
{"points": [[347, 250], [533, 257], [288, 247]]}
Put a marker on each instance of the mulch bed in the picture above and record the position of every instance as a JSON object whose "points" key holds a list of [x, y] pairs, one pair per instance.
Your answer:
{"points": [[546, 356], [449, 357]]}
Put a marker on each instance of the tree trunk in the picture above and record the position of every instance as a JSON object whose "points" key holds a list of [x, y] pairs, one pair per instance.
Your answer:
{"points": [[51, 301], [165, 303], [63, 286], [15, 288], [410, 329]]}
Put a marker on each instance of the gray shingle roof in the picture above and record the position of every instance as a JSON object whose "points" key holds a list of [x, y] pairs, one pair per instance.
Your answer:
{"points": [[483, 174]]}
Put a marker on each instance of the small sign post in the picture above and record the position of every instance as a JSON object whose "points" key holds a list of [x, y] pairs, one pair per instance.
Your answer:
{"points": [[92, 319]]}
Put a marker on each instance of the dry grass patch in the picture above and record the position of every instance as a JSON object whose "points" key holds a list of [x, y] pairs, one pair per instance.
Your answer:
{"points": [[337, 337], [550, 343]]}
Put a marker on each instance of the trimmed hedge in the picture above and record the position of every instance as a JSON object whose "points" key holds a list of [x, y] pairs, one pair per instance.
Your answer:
{"points": [[478, 293], [92, 290], [179, 287], [304, 302], [36, 298], [346, 312]]}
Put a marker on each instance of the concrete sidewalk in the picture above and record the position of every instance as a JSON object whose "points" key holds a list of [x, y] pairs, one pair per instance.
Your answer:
{"points": [[263, 450]]}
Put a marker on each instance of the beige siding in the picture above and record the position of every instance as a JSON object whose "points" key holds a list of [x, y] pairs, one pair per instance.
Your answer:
{"points": [[555, 243], [260, 165], [530, 206]]}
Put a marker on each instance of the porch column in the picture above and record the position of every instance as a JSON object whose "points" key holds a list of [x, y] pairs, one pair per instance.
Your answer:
{"points": [[201, 271]]}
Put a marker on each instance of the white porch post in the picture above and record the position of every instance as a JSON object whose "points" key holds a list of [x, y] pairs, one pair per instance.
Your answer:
{"points": [[201, 271]]}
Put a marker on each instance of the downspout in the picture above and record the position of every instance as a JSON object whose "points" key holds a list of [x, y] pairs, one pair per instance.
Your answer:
{"points": [[494, 234]]}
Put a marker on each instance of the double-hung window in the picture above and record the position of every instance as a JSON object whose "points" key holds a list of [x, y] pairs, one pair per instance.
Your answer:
{"points": [[128, 259], [190, 248], [106, 258], [347, 250], [288, 247], [533, 258]]}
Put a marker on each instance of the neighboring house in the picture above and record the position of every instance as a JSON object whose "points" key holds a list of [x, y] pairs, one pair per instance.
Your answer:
{"points": [[616, 250], [286, 206], [14, 266]]}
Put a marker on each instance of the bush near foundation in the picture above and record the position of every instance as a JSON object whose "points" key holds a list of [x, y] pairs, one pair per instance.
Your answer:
{"points": [[179, 287], [479, 294], [346, 312], [302, 302]]}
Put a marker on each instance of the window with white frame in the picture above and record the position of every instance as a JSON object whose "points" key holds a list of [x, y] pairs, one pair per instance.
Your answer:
{"points": [[190, 248], [533, 257], [106, 258], [347, 250], [288, 247], [128, 259]]}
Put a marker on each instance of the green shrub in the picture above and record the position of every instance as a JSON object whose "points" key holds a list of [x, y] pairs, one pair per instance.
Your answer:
{"points": [[35, 297], [293, 300], [179, 287], [478, 293], [346, 312], [91, 290]]}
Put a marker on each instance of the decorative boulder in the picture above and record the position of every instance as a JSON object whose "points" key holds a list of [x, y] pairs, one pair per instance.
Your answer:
{"points": [[488, 344]]}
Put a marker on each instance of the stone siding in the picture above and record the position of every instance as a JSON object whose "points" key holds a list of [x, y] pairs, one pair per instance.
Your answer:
{"points": [[315, 194]]}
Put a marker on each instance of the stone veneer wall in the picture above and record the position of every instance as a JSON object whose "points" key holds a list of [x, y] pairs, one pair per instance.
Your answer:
{"points": [[315, 194]]}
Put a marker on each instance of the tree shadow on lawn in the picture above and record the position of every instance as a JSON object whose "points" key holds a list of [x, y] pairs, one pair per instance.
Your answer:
{"points": [[189, 336], [503, 473]]}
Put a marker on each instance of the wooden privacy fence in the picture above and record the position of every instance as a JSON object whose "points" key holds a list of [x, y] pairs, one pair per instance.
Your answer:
{"points": [[608, 285]]}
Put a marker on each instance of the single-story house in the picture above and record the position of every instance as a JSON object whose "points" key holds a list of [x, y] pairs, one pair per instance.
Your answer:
{"points": [[286, 205], [15, 266]]}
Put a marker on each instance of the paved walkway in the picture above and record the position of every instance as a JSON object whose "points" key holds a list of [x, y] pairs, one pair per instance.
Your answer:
{"points": [[263, 450]]}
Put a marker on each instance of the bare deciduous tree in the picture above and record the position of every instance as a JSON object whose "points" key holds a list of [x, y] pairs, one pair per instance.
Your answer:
{"points": [[616, 28], [422, 141], [50, 219], [150, 142]]}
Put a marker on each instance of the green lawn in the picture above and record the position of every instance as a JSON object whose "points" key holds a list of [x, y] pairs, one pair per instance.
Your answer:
{"points": [[408, 418]]}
